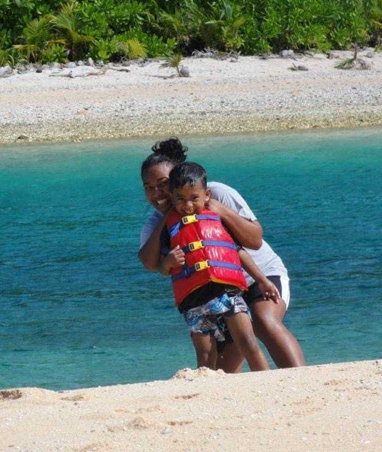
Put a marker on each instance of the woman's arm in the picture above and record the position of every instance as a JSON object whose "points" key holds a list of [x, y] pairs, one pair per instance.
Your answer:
{"points": [[247, 233], [149, 254]]}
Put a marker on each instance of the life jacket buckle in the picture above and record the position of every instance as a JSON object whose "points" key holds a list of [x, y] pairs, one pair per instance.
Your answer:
{"points": [[189, 219], [194, 246], [202, 265]]}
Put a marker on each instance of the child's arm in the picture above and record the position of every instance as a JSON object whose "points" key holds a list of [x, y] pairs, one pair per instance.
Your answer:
{"points": [[268, 289], [175, 258]]}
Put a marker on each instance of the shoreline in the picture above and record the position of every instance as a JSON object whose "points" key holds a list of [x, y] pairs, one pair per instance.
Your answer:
{"points": [[189, 125], [248, 95], [331, 408]]}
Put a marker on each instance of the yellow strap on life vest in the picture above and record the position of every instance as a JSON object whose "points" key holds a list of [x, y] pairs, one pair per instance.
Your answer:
{"points": [[194, 246], [189, 219], [202, 265]]}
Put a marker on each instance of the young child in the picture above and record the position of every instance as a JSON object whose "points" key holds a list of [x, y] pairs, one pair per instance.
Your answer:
{"points": [[204, 262]]}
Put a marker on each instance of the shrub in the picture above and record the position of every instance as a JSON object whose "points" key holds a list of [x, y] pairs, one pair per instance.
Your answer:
{"points": [[56, 53], [68, 25], [7, 58], [131, 48], [89, 27], [38, 40]]}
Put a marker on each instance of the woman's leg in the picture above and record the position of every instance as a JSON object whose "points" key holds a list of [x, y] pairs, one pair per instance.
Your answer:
{"points": [[269, 328], [205, 348]]}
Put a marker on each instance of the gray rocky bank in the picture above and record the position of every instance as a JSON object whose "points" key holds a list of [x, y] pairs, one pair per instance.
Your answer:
{"points": [[94, 101]]}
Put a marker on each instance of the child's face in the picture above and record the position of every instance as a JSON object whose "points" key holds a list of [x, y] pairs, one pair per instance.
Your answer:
{"points": [[190, 200]]}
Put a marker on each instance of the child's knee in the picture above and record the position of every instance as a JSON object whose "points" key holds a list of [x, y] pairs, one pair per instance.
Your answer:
{"points": [[247, 342]]}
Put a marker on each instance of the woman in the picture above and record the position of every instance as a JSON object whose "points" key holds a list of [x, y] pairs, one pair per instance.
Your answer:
{"points": [[267, 309]]}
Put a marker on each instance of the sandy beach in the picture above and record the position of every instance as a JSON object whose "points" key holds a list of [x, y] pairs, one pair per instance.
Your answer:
{"points": [[330, 408], [245, 95]]}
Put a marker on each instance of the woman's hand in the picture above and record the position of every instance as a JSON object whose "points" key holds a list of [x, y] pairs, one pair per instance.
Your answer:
{"points": [[215, 206], [269, 290], [247, 233]]}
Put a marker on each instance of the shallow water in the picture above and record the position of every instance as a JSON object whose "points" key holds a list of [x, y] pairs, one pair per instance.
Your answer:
{"points": [[78, 309]]}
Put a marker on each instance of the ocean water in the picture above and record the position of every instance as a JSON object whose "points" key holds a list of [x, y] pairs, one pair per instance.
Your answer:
{"points": [[79, 310]]}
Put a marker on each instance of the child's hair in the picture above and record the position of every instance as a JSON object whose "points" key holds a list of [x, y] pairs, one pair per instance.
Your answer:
{"points": [[187, 173], [169, 151]]}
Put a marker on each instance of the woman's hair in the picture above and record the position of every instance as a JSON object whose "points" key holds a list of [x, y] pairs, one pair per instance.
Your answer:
{"points": [[169, 151]]}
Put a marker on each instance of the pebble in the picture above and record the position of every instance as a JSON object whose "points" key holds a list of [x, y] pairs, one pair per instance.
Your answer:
{"points": [[5, 71], [185, 71], [287, 54], [299, 67]]}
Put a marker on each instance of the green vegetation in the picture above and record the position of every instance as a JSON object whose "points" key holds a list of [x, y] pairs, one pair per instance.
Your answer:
{"points": [[174, 61], [44, 31]]}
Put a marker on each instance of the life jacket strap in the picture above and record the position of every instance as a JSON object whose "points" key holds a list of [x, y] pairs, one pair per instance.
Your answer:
{"points": [[208, 217], [194, 246], [189, 219], [203, 265]]}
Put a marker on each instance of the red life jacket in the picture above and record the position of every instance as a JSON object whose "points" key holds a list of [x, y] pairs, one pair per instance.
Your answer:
{"points": [[211, 254]]}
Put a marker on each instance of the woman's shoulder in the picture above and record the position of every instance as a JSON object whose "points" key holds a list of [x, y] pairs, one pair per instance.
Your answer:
{"points": [[220, 190], [231, 198], [218, 186]]}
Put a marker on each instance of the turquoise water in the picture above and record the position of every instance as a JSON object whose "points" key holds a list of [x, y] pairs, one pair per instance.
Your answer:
{"points": [[78, 310]]}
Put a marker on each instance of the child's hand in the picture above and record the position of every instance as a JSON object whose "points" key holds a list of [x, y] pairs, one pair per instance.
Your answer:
{"points": [[269, 290], [175, 257]]}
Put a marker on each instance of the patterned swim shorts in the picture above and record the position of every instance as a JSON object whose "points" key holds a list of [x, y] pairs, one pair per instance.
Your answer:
{"points": [[209, 318]]}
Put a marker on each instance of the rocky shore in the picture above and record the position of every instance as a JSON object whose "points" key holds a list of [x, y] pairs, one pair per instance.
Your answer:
{"points": [[248, 94]]}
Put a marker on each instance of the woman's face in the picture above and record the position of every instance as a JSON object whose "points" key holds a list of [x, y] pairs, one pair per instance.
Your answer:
{"points": [[156, 185]]}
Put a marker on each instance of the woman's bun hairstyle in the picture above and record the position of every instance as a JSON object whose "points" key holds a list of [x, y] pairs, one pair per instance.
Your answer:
{"points": [[171, 148], [170, 151]]}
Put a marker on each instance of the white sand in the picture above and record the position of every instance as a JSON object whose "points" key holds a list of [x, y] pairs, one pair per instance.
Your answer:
{"points": [[332, 408], [219, 97]]}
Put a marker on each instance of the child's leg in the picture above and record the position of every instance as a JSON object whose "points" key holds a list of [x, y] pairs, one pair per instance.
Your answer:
{"points": [[240, 327], [205, 347], [229, 359]]}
